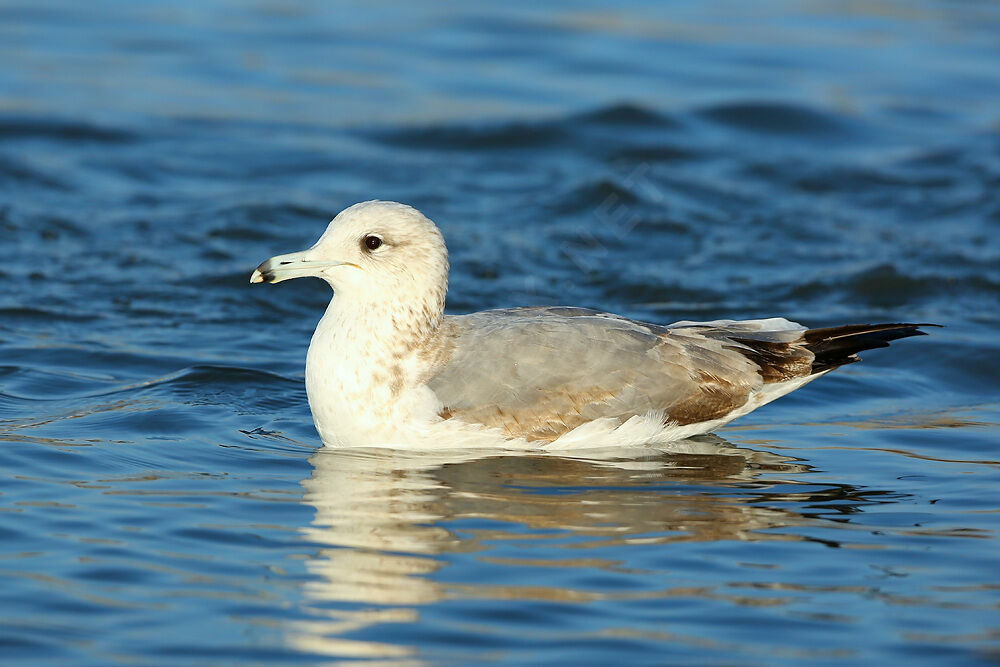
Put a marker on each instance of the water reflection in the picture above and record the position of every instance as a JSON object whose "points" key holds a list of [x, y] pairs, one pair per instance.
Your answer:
{"points": [[382, 517]]}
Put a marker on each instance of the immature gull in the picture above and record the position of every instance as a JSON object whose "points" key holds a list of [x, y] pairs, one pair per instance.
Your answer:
{"points": [[386, 366]]}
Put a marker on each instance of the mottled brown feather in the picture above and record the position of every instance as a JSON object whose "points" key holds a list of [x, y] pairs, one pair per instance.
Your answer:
{"points": [[777, 362]]}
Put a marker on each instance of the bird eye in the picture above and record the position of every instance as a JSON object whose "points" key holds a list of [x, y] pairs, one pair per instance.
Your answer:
{"points": [[372, 242]]}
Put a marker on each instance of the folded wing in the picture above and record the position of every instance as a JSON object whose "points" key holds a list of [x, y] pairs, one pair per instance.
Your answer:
{"points": [[537, 373]]}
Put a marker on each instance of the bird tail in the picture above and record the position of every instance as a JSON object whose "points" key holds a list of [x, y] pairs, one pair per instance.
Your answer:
{"points": [[837, 346]]}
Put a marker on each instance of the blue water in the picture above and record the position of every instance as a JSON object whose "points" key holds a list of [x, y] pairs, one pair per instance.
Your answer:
{"points": [[163, 496]]}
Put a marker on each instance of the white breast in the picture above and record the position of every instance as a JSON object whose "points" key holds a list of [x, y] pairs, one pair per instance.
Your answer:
{"points": [[362, 389]]}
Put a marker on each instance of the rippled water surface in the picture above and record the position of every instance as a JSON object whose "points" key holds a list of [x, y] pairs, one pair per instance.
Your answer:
{"points": [[163, 496]]}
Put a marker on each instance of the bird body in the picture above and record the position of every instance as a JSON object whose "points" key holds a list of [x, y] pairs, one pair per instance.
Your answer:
{"points": [[386, 367]]}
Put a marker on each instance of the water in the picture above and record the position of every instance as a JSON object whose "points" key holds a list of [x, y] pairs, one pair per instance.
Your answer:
{"points": [[162, 496]]}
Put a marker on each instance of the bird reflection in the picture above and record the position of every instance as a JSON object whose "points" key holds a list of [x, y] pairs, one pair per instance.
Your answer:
{"points": [[383, 517]]}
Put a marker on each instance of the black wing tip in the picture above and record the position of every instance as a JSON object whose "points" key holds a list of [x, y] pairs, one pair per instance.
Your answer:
{"points": [[852, 330], [914, 325], [837, 346]]}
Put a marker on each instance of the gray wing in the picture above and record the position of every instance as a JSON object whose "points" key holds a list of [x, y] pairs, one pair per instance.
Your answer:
{"points": [[537, 373]]}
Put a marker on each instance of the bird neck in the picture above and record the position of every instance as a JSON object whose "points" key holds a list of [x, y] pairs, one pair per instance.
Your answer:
{"points": [[384, 321], [357, 338]]}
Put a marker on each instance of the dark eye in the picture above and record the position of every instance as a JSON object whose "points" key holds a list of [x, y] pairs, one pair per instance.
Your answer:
{"points": [[372, 242]]}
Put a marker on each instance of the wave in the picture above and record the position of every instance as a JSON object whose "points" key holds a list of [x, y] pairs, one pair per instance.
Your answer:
{"points": [[647, 126], [776, 118], [61, 130]]}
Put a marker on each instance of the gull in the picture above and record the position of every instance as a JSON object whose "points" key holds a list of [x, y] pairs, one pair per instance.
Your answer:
{"points": [[387, 367]]}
